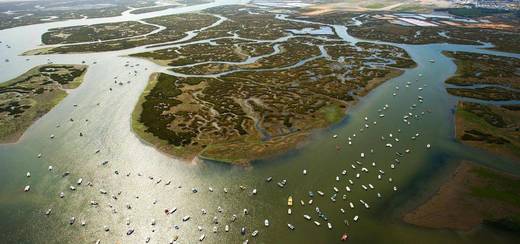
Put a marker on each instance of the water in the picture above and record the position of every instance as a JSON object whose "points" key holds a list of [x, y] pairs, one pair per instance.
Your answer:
{"points": [[108, 129]]}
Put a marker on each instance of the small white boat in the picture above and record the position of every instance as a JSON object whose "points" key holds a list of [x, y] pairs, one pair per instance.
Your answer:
{"points": [[266, 223], [291, 227], [320, 193], [255, 233], [356, 218], [48, 212], [304, 172], [317, 223], [335, 136], [428, 145], [62, 194], [185, 218], [72, 220], [27, 188], [50, 167], [226, 228], [289, 211], [351, 205], [39, 155], [329, 225], [80, 180], [307, 217], [28, 174], [254, 192], [201, 238]]}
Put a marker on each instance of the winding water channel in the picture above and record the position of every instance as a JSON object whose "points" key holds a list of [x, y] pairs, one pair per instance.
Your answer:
{"points": [[108, 129]]}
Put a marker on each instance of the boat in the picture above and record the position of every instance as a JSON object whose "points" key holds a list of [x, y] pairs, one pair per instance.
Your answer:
{"points": [[48, 212], [39, 155], [344, 237], [307, 217], [50, 168], [356, 218], [226, 228], [254, 192], [269, 179], [129, 232], [62, 194], [289, 201], [317, 223], [80, 180], [266, 223], [291, 227], [243, 230], [72, 220], [304, 172], [289, 211], [255, 233], [215, 229], [329, 225], [27, 188], [201, 238], [320, 193], [185, 218]]}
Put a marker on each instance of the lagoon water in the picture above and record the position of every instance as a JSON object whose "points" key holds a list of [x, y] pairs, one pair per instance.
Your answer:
{"points": [[22, 218]]}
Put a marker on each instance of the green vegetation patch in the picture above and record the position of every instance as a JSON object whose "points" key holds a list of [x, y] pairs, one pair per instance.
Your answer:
{"points": [[31, 95], [489, 127]]}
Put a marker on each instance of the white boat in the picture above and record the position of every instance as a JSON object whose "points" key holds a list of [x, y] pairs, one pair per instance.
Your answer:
{"points": [[307, 217], [266, 223], [320, 193], [317, 223], [80, 180], [289, 211], [226, 228], [254, 192], [329, 225], [50, 168], [201, 238], [27, 188], [347, 188], [291, 227], [428, 145], [39, 155], [28, 174], [351, 205], [356, 218], [255, 233], [304, 172], [185, 218], [62, 194]]}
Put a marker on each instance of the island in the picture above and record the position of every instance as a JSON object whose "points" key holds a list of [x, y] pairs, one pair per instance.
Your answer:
{"points": [[31, 95], [236, 99]]}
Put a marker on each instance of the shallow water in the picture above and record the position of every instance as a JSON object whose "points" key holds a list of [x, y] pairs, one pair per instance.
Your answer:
{"points": [[108, 129]]}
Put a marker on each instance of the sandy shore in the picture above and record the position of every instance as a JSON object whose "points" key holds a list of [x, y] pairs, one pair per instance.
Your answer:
{"points": [[460, 204]]}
